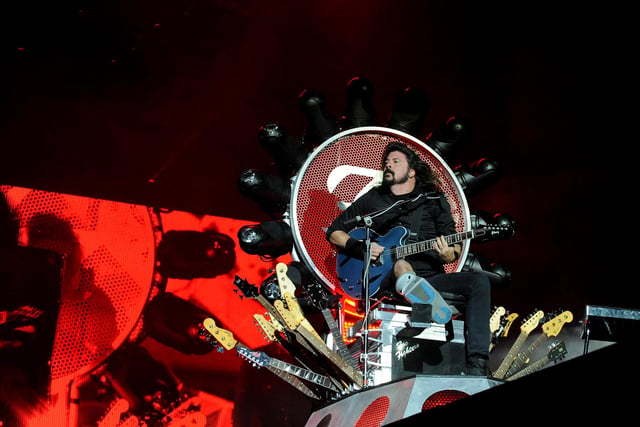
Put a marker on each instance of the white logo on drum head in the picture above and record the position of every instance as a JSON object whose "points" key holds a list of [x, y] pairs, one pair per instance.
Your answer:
{"points": [[338, 174]]}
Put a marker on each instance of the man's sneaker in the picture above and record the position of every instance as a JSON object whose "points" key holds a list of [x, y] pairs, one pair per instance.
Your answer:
{"points": [[417, 290], [477, 367]]}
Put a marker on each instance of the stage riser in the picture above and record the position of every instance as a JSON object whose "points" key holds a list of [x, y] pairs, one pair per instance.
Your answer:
{"points": [[395, 401]]}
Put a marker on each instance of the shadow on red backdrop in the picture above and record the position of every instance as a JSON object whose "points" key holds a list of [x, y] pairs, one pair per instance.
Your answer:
{"points": [[110, 274]]}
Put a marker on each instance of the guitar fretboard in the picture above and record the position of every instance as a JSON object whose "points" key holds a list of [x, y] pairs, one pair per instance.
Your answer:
{"points": [[352, 374], [523, 357], [509, 358], [302, 373], [536, 366], [425, 245], [341, 347], [294, 381]]}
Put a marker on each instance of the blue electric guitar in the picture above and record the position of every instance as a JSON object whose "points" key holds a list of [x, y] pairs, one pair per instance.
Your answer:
{"points": [[351, 269]]}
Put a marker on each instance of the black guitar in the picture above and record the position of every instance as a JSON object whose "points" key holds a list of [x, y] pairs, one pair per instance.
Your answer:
{"points": [[350, 269]]}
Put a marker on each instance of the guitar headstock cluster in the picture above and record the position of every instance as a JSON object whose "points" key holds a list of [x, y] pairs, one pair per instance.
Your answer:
{"points": [[517, 361], [284, 322]]}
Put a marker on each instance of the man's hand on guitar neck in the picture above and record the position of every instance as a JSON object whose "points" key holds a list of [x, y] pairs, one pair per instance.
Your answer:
{"points": [[446, 253]]}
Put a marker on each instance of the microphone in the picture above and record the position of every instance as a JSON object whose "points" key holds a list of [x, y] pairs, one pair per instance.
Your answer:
{"points": [[354, 221]]}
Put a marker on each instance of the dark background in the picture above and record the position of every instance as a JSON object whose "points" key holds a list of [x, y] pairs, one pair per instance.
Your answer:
{"points": [[97, 97]]}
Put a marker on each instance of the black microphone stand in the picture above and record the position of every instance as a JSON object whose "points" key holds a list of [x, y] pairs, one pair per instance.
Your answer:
{"points": [[367, 221], [364, 357]]}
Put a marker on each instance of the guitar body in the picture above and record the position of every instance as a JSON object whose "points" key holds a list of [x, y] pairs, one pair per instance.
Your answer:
{"points": [[351, 269]]}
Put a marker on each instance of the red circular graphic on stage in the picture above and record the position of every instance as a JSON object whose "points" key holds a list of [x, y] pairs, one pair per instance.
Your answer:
{"points": [[337, 173], [375, 413], [443, 397]]}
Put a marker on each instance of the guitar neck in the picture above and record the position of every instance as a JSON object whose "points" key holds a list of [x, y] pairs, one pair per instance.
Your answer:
{"points": [[305, 374], [349, 371], [523, 358], [293, 380], [508, 360], [536, 366], [425, 245], [259, 358], [273, 312], [337, 336]]}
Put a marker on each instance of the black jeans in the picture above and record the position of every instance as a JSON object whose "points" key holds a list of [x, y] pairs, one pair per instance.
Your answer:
{"points": [[476, 289]]}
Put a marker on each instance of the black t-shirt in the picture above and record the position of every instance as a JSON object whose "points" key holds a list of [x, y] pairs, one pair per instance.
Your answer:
{"points": [[435, 220]]}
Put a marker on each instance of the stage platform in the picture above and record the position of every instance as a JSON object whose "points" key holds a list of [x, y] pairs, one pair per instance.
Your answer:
{"points": [[398, 400], [601, 383]]}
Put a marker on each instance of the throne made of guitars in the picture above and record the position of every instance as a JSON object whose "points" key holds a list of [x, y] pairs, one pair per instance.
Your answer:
{"points": [[320, 175]]}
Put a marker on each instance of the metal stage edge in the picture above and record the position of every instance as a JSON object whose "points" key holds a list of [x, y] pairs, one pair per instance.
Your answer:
{"points": [[397, 400]]}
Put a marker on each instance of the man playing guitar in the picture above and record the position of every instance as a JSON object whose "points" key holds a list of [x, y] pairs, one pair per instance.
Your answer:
{"points": [[408, 200]]}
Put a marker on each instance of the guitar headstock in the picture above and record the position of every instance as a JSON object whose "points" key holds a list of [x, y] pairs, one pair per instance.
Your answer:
{"points": [[287, 292], [317, 294], [532, 322], [553, 327], [248, 290], [496, 317], [557, 350], [256, 358], [267, 327], [224, 337], [507, 322], [284, 282], [488, 232], [292, 315], [114, 413]]}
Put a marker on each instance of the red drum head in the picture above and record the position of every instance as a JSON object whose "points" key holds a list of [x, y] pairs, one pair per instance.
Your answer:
{"points": [[339, 171]]}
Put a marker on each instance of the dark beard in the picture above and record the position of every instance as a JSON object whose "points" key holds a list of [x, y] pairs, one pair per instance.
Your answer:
{"points": [[387, 182]]}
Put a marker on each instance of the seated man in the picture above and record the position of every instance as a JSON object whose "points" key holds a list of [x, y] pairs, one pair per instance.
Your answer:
{"points": [[420, 278]]}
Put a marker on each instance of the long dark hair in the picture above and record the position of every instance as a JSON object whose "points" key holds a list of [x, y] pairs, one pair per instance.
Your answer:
{"points": [[425, 179]]}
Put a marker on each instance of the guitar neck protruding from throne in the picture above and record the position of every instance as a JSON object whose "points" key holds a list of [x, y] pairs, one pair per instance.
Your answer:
{"points": [[529, 325]]}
